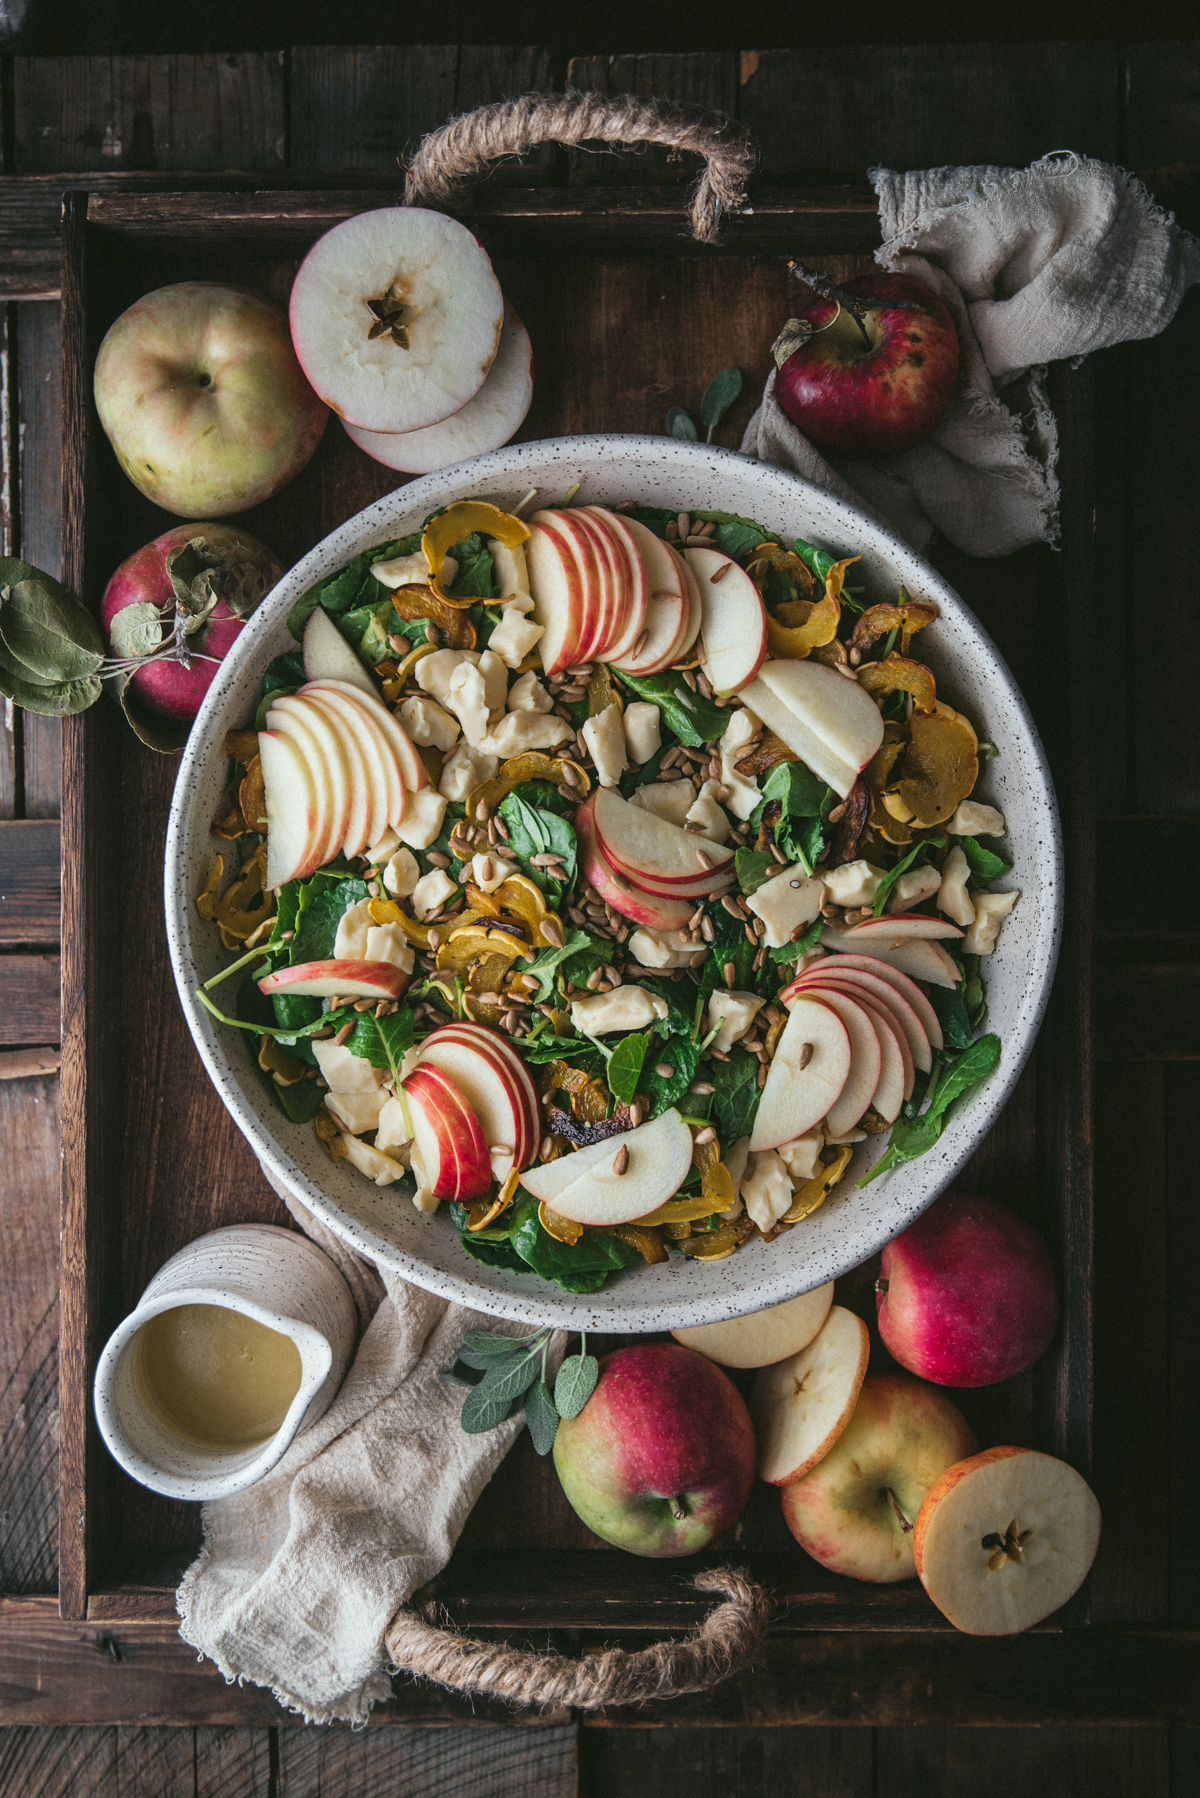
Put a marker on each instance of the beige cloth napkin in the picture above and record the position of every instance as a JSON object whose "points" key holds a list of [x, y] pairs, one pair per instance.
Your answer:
{"points": [[1036, 265], [300, 1575]]}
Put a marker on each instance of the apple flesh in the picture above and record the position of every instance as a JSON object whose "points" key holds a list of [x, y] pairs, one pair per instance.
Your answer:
{"points": [[350, 979], [428, 281], [872, 987], [293, 820], [801, 1406], [831, 723], [668, 605], [967, 1294], [875, 390], [492, 1093], [655, 854], [650, 909], [764, 1336], [1005, 1538], [661, 1458], [810, 1067], [620, 1179], [166, 687], [202, 398], [486, 1041], [328, 656], [487, 420], [879, 969], [856, 1510], [449, 1148], [733, 620], [917, 956]]}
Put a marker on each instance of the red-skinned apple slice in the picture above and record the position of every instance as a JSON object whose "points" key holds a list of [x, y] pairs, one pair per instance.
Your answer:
{"points": [[348, 809], [587, 1188], [291, 807], [916, 956], [360, 720], [830, 722], [668, 605], [637, 584], [695, 610], [350, 979], [801, 1406], [900, 928], [412, 768], [556, 587], [492, 1093], [327, 796], [895, 977], [886, 997], [866, 1060], [328, 656], [733, 620], [589, 590], [1004, 1539], [448, 1136], [896, 1071], [487, 1041], [616, 596], [365, 748], [797, 1096], [653, 853], [639, 907]]}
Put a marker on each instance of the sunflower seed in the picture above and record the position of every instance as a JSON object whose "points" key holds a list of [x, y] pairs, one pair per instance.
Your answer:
{"points": [[707, 1135], [805, 1056], [665, 1071], [621, 1159]]}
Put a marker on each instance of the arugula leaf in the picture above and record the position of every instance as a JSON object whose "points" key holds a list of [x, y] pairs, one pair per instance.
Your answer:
{"points": [[974, 997], [383, 1041], [682, 1056], [580, 1267], [542, 1418], [546, 961], [352, 586], [793, 951], [735, 1101], [902, 866], [754, 867], [719, 395], [984, 864], [475, 577], [950, 1005], [912, 1137], [283, 675], [322, 901], [693, 719], [533, 833], [575, 1049], [625, 1065]]}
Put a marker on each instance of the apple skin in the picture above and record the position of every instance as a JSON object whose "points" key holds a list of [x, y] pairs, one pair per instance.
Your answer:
{"points": [[970, 1295], [859, 401], [663, 1422], [167, 688], [202, 398], [902, 1436]]}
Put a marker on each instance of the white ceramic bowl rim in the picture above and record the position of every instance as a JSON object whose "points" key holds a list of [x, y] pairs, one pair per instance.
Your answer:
{"points": [[381, 1224]]}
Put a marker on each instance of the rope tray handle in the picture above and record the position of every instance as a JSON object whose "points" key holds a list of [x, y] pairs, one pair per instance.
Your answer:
{"points": [[460, 151], [723, 1644]]}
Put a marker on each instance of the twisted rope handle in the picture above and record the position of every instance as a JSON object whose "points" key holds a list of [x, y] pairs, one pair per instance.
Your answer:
{"points": [[723, 1644], [461, 150]]}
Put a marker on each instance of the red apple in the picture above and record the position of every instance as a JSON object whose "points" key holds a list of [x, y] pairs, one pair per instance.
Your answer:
{"points": [[967, 1294], [202, 398], [875, 389], [661, 1458], [243, 568]]}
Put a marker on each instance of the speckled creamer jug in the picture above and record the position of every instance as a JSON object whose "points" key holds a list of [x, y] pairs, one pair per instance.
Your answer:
{"points": [[276, 1279]]}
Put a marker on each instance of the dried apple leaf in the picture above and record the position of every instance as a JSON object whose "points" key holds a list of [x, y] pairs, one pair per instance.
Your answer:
{"points": [[136, 630]]}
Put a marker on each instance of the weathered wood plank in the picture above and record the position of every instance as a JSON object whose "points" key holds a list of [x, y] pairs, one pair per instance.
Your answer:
{"points": [[234, 1763], [1148, 1012], [156, 1763], [29, 999], [923, 105], [431, 1763], [23, 1064], [148, 112], [10, 723], [1182, 1092], [353, 108], [999, 1763], [51, 1760], [1128, 925], [39, 344], [690, 77], [29, 881], [29, 1339], [726, 1763]]}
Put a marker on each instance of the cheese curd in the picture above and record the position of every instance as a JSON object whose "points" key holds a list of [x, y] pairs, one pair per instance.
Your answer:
{"points": [[401, 874], [467, 698], [664, 948], [669, 799], [766, 1189], [387, 942], [953, 897], [510, 572], [853, 883], [514, 636], [356, 1111], [605, 737], [625, 1008], [343, 1071], [802, 1157], [424, 812], [913, 889], [991, 909], [527, 694], [975, 820], [489, 870], [432, 892], [742, 794], [731, 1015], [643, 730], [709, 813], [518, 731], [393, 1132], [434, 673], [378, 1167], [787, 903], [463, 771], [428, 724], [350, 942]]}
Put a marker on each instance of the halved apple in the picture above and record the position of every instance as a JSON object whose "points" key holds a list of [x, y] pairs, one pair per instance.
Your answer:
{"points": [[763, 1337], [448, 1138], [656, 855], [916, 956], [587, 1187], [330, 797], [1005, 1538], [365, 749], [885, 996], [328, 656], [339, 766], [351, 979], [801, 1406], [866, 1059], [291, 799], [895, 977], [810, 1068], [828, 721], [733, 620], [488, 1086]]}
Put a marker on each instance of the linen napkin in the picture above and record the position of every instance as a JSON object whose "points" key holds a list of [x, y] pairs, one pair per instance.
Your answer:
{"points": [[1036, 265], [300, 1575]]}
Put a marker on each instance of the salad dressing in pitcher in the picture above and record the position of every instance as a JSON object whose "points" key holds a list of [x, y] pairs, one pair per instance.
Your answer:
{"points": [[214, 1376]]}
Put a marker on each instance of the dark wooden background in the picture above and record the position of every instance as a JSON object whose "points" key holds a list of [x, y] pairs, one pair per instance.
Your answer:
{"points": [[1105, 1728]]}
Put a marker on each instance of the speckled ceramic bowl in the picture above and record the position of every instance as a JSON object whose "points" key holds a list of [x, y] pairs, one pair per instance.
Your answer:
{"points": [[852, 1224]]}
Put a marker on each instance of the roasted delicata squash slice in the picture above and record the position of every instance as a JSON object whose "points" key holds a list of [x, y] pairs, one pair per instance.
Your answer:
{"points": [[457, 523], [447, 615], [908, 616], [899, 674], [818, 1189], [940, 766], [878, 777], [484, 799]]}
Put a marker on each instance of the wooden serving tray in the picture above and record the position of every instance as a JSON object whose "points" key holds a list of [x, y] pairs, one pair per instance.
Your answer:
{"points": [[627, 317]]}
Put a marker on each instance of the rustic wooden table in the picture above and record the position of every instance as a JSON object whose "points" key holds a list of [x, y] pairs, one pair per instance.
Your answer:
{"points": [[90, 1708]]}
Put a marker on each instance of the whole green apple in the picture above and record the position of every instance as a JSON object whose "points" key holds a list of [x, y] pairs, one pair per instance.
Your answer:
{"points": [[202, 398], [661, 1458]]}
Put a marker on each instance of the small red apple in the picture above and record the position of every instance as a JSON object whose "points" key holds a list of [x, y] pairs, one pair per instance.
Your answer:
{"points": [[873, 388], [967, 1294], [661, 1458]]}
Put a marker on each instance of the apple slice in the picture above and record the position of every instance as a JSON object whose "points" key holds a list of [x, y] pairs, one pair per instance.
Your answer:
{"points": [[367, 755], [895, 1081], [615, 588], [1005, 1538], [828, 721], [764, 1336], [492, 1093], [696, 609], [915, 956], [887, 997], [447, 1136], [349, 814], [866, 1059], [556, 588], [587, 1188], [429, 275], [900, 928], [733, 620], [895, 977], [651, 909], [801, 1406], [328, 656], [590, 596], [292, 816], [637, 582], [399, 745], [797, 1096], [350, 979], [358, 720], [653, 853], [667, 605], [483, 1038], [329, 797], [487, 420]]}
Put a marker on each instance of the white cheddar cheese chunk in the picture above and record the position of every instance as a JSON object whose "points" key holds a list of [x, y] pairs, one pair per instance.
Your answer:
{"points": [[387, 942], [344, 1072], [734, 1013], [401, 874], [466, 697], [529, 695], [377, 1166], [742, 794], [802, 1157], [709, 813], [953, 897], [500, 870], [605, 737], [643, 730], [432, 892], [356, 1111], [664, 948], [394, 1130], [510, 572], [350, 943], [913, 889], [434, 673], [421, 824], [516, 732], [514, 636], [766, 1189], [975, 820], [625, 1008], [465, 770], [404, 571], [853, 883], [428, 724], [787, 902], [737, 1161], [991, 909]]}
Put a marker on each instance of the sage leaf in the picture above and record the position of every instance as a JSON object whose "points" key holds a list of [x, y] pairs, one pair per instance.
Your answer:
{"points": [[462, 1373], [541, 1417], [575, 1384], [481, 1413], [495, 1348], [509, 1378], [679, 424], [136, 630], [719, 395]]}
